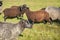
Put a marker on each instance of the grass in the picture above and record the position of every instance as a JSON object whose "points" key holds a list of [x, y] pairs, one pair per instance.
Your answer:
{"points": [[39, 31]]}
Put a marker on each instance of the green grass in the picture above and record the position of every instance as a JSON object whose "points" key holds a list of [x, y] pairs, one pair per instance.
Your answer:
{"points": [[39, 31]]}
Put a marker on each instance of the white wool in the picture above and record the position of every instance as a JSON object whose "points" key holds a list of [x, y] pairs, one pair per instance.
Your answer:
{"points": [[53, 12]]}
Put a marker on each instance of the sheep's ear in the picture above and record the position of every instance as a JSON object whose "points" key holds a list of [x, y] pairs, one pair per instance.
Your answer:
{"points": [[24, 5]]}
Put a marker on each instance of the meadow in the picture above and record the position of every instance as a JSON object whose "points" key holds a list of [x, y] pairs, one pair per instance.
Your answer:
{"points": [[39, 31]]}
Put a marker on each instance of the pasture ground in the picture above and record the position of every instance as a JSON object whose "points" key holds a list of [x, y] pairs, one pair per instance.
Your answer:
{"points": [[39, 31]]}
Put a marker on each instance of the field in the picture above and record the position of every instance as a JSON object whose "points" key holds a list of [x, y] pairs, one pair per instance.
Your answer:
{"points": [[39, 31]]}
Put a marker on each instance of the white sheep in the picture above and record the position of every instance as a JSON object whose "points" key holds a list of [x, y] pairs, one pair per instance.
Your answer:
{"points": [[10, 31], [54, 12]]}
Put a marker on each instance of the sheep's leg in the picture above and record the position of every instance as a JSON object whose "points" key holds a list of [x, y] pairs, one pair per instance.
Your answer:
{"points": [[30, 21], [49, 20], [17, 17], [21, 15], [5, 18], [44, 21]]}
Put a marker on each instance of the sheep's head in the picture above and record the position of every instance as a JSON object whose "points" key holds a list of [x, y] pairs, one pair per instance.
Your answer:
{"points": [[22, 7], [26, 23], [25, 8]]}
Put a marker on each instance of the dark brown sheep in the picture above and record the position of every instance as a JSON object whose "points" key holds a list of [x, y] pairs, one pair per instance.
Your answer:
{"points": [[12, 12], [37, 16]]}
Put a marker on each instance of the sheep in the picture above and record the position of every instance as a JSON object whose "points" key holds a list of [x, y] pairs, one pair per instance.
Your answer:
{"points": [[54, 12], [37, 16], [13, 12], [10, 31]]}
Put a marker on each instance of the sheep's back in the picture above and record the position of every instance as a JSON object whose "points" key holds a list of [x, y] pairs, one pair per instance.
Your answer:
{"points": [[42, 15], [38, 15], [11, 12]]}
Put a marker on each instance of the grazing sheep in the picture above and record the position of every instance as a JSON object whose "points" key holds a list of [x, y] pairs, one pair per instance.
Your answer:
{"points": [[13, 12], [37, 16], [54, 12], [10, 31]]}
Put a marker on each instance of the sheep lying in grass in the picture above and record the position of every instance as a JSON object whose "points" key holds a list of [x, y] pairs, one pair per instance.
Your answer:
{"points": [[9, 31], [54, 12]]}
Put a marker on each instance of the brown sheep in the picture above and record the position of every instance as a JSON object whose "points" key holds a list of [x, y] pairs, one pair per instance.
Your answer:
{"points": [[12, 12], [37, 16]]}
